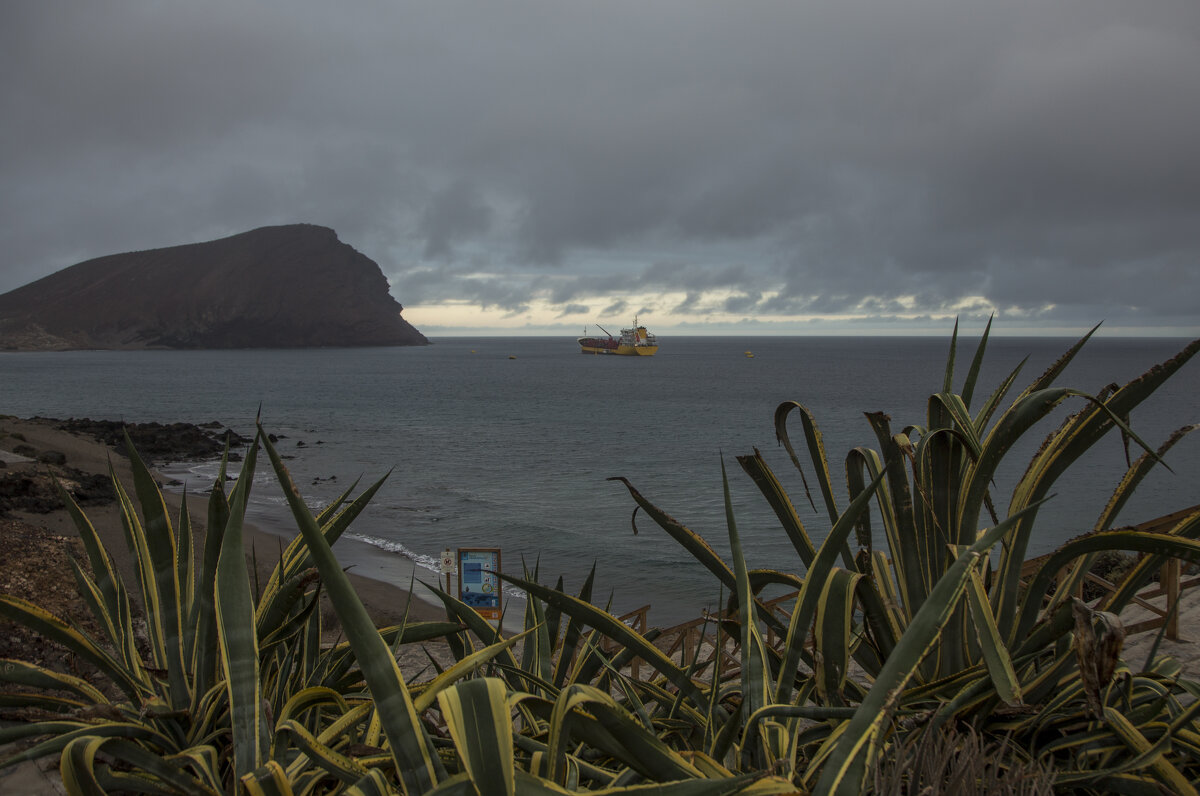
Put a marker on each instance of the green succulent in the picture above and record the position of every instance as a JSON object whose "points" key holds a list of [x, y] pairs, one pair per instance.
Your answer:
{"points": [[941, 623]]}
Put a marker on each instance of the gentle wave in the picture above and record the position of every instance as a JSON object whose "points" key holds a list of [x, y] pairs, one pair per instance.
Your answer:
{"points": [[423, 561]]}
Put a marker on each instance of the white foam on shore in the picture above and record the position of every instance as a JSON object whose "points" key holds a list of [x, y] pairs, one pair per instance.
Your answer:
{"points": [[367, 556]]}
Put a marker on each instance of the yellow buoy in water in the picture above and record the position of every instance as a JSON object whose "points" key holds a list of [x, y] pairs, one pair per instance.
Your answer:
{"points": [[750, 355], [511, 357]]}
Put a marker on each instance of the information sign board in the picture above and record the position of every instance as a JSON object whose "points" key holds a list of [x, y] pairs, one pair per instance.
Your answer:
{"points": [[478, 583]]}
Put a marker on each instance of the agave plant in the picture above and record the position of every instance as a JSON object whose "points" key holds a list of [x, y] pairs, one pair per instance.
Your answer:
{"points": [[940, 622], [196, 712], [465, 734], [239, 693]]}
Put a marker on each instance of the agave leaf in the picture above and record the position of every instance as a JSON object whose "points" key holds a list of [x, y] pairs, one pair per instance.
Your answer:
{"points": [[47, 624], [463, 668], [887, 618], [895, 450], [106, 577], [335, 666], [984, 416], [689, 539], [185, 544], [756, 673], [318, 757], [203, 762], [62, 733], [296, 556], [1136, 541], [805, 608], [237, 636], [334, 507], [584, 711], [269, 780], [753, 784], [1134, 476], [948, 376], [78, 765], [478, 717], [158, 547], [1027, 411], [416, 763], [116, 629], [311, 698], [851, 751], [1166, 773], [29, 674], [968, 390], [1080, 434], [273, 610], [816, 453], [538, 650], [862, 460], [758, 470], [995, 653], [834, 641], [1055, 370], [203, 617], [616, 630], [341, 766], [376, 784], [573, 632]]}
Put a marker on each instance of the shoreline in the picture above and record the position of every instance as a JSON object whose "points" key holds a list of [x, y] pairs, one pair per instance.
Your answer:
{"points": [[386, 602], [376, 574]]}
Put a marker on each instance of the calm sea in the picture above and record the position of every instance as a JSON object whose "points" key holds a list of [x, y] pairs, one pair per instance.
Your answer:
{"points": [[507, 442]]}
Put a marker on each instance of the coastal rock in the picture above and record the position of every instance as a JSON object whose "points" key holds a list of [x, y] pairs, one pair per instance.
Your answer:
{"points": [[293, 286], [35, 492], [172, 442], [32, 489]]}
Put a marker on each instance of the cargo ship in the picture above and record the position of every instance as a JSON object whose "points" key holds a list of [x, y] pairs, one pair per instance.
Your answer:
{"points": [[635, 342]]}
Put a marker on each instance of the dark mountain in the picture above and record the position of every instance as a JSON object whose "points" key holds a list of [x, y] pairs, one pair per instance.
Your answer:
{"points": [[292, 286]]}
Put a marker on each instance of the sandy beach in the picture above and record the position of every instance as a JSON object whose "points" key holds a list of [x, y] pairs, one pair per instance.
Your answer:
{"points": [[387, 603], [35, 545]]}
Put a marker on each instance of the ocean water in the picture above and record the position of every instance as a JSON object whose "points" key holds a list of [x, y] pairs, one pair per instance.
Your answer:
{"points": [[509, 442]]}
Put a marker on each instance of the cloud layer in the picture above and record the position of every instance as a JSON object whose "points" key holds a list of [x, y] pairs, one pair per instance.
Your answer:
{"points": [[547, 162]]}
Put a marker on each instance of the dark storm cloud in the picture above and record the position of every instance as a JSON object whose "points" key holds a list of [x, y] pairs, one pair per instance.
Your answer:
{"points": [[454, 213], [795, 157]]}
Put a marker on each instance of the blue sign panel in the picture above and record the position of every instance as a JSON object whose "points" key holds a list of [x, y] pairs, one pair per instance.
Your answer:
{"points": [[478, 583]]}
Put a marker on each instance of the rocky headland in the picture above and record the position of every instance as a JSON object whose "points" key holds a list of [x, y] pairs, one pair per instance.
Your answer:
{"points": [[294, 286]]}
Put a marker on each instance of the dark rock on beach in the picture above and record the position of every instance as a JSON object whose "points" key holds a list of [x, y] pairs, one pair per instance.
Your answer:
{"points": [[36, 493], [161, 442], [34, 490]]}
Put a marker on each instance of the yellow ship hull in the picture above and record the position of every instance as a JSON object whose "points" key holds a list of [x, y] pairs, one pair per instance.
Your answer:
{"points": [[623, 350]]}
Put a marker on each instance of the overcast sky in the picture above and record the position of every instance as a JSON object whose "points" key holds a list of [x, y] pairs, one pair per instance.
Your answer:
{"points": [[759, 167]]}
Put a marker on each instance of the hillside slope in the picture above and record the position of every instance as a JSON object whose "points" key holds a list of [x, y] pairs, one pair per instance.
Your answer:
{"points": [[291, 286]]}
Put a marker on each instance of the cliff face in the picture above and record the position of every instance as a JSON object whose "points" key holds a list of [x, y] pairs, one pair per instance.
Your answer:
{"points": [[292, 286]]}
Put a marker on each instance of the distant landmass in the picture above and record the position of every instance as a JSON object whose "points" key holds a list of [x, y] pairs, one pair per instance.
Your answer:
{"points": [[294, 286]]}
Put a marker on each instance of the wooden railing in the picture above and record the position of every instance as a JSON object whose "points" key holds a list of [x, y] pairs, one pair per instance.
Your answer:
{"points": [[701, 643], [1170, 585]]}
